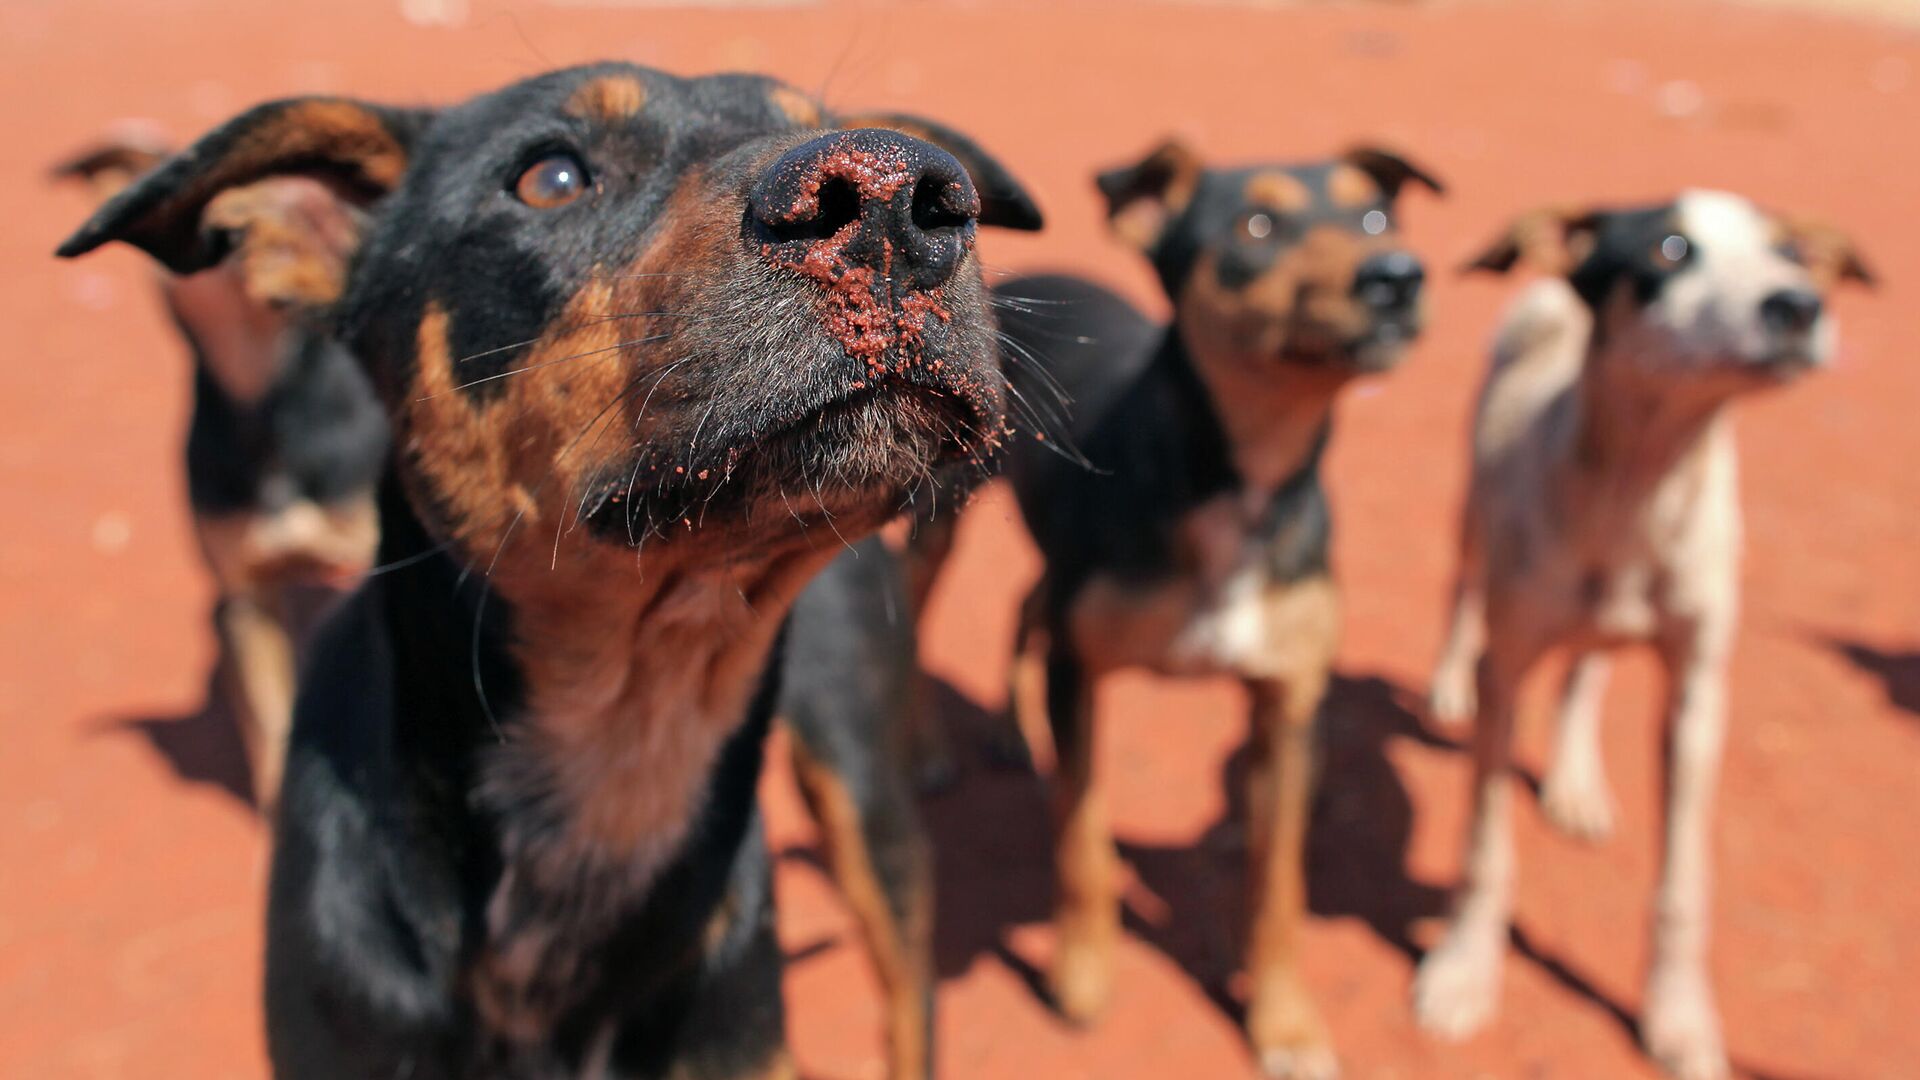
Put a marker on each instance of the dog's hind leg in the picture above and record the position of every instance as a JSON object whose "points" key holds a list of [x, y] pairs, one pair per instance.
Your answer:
{"points": [[1086, 916], [877, 852], [1575, 797], [1681, 1028], [257, 662]]}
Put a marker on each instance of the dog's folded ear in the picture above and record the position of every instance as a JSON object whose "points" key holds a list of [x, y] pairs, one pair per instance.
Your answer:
{"points": [[114, 162], [1147, 196], [1391, 170], [1829, 254], [1004, 201], [1555, 239], [358, 152]]}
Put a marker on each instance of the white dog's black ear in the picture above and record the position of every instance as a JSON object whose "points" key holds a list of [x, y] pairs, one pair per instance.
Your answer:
{"points": [[1829, 254], [1554, 239], [356, 150], [1391, 170], [1144, 198], [1004, 200]]}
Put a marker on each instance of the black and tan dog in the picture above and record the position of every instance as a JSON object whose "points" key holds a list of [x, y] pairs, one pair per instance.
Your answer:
{"points": [[651, 348], [286, 439], [1197, 544]]}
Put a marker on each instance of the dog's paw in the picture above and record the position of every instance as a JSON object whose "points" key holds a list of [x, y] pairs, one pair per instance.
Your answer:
{"points": [[1082, 981], [1288, 1037], [1300, 1063], [1681, 1029], [1578, 804], [1457, 988], [1452, 701]]}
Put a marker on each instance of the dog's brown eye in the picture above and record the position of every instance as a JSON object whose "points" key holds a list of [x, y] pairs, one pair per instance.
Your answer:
{"points": [[1672, 251], [554, 180]]}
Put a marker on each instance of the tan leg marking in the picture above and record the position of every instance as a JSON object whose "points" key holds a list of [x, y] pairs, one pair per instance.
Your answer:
{"points": [[1283, 1024], [901, 948], [257, 654], [1086, 913]]}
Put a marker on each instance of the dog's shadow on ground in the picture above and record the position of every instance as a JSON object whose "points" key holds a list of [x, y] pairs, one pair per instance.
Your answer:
{"points": [[1898, 671], [201, 746], [993, 853], [995, 865]]}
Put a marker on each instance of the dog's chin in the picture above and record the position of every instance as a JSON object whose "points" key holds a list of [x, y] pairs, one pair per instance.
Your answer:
{"points": [[1378, 349], [839, 470], [1788, 362]]}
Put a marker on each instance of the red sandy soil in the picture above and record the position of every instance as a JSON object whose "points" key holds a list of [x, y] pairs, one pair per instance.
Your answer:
{"points": [[131, 874]]}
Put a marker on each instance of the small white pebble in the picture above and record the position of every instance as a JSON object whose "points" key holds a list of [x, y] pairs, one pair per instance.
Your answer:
{"points": [[1681, 98], [111, 532]]}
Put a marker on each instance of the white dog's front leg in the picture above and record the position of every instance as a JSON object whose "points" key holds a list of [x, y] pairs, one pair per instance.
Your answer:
{"points": [[1681, 1026]]}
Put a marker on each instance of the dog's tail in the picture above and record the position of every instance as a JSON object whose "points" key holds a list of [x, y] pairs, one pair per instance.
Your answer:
{"points": [[128, 150]]}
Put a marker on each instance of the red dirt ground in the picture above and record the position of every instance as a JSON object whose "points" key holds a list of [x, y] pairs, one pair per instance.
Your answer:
{"points": [[131, 891]]}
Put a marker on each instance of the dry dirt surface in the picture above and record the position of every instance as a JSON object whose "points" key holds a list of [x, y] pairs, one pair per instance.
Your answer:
{"points": [[131, 872]]}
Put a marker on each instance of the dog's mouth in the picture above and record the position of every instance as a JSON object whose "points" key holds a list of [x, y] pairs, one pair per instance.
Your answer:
{"points": [[1378, 347], [850, 460]]}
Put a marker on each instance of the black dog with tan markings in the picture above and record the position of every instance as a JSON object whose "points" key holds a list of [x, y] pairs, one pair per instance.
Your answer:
{"points": [[651, 347], [287, 437], [1197, 544]]}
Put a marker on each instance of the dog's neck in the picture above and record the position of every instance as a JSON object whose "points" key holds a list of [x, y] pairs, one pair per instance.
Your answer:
{"points": [[1272, 416], [595, 687], [632, 684], [588, 709], [1635, 438]]}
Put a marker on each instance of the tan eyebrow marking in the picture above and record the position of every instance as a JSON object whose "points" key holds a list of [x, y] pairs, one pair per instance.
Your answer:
{"points": [[795, 106], [1348, 186], [610, 97], [1278, 191]]}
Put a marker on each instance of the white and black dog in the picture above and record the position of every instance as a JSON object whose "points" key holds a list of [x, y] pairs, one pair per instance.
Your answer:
{"points": [[1603, 510]]}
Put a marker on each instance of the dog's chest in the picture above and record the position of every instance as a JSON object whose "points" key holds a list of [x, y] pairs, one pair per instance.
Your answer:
{"points": [[1227, 602]]}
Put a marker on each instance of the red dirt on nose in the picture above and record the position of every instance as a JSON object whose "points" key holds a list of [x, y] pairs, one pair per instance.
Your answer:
{"points": [[877, 175]]}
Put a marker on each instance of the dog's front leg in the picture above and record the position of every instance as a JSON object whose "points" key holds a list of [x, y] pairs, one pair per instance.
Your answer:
{"points": [[1283, 1024], [1681, 1027], [258, 664], [1086, 917], [1457, 987]]}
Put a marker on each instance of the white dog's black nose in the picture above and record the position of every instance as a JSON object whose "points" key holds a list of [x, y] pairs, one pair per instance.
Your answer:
{"points": [[1790, 311]]}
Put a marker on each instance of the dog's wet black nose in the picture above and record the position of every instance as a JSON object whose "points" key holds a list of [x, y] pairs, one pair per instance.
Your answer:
{"points": [[1790, 311], [1388, 281], [868, 198]]}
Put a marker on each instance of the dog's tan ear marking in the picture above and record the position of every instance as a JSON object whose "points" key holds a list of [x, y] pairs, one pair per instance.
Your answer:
{"points": [[358, 151], [292, 239], [1146, 197], [1004, 200], [1829, 254], [1555, 239], [1391, 170]]}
